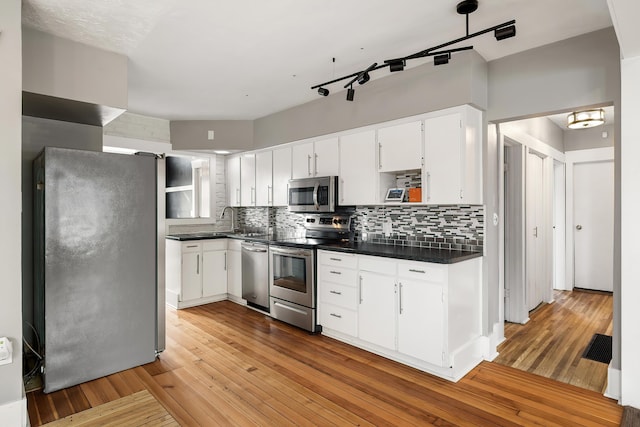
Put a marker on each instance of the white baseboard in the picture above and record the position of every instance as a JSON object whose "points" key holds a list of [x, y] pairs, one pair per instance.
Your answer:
{"points": [[491, 343], [15, 413], [613, 383]]}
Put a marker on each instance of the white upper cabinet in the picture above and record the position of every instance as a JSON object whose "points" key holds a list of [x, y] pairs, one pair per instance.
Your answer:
{"points": [[302, 160], [248, 179], [319, 158], [233, 181], [358, 173], [452, 157], [281, 176], [325, 161], [264, 180], [400, 147]]}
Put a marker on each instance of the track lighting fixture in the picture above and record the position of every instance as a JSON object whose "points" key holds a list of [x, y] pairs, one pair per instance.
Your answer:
{"points": [[350, 93], [465, 7], [397, 65], [441, 59], [505, 32]]}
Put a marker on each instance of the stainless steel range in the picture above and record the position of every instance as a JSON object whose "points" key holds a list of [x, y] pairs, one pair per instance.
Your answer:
{"points": [[292, 267]]}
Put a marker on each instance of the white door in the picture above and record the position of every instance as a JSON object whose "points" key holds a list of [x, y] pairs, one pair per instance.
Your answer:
{"points": [[248, 180], [593, 225], [400, 147], [443, 161], [191, 276], [358, 169], [302, 160], [534, 231], [233, 181], [214, 273]]}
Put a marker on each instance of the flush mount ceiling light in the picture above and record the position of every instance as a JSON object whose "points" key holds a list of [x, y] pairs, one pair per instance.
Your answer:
{"points": [[585, 119], [441, 55]]}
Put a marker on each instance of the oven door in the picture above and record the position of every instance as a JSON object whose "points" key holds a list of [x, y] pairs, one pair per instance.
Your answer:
{"points": [[292, 275]]}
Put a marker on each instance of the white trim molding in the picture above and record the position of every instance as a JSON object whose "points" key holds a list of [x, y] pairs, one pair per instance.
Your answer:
{"points": [[15, 413]]}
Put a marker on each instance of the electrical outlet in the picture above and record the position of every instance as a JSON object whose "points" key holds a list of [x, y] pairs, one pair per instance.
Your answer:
{"points": [[387, 228], [5, 351]]}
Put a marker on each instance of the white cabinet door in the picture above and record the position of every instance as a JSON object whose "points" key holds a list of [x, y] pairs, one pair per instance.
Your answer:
{"points": [[421, 320], [358, 173], [400, 147], [444, 136], [214, 273], [191, 276], [302, 160], [377, 309], [325, 160], [233, 181], [234, 273], [281, 176], [264, 180], [248, 180]]}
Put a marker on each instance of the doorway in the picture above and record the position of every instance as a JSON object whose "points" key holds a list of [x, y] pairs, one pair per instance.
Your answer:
{"points": [[535, 231]]}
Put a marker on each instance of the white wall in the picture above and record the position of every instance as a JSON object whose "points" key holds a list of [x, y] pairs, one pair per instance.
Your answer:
{"points": [[630, 209], [11, 390]]}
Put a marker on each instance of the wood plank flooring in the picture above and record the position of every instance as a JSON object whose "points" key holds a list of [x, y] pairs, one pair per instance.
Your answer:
{"points": [[552, 342], [228, 365]]}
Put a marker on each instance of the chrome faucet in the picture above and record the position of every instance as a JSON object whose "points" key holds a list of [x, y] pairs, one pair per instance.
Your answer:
{"points": [[233, 225]]}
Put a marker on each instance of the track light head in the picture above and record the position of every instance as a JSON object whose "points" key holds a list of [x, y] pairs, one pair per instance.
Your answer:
{"points": [[350, 93], [505, 32], [365, 77], [397, 65], [323, 91], [441, 59]]}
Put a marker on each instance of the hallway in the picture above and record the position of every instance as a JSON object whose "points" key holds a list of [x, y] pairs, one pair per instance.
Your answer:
{"points": [[552, 342]]}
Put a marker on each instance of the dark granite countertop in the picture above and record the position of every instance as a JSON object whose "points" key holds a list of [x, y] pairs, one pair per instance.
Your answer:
{"points": [[439, 256]]}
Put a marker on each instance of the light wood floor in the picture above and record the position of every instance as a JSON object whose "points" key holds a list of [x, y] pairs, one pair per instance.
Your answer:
{"points": [[552, 342], [228, 365]]}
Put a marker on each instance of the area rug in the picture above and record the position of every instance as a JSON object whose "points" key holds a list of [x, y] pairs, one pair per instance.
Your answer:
{"points": [[630, 417], [599, 348], [139, 409]]}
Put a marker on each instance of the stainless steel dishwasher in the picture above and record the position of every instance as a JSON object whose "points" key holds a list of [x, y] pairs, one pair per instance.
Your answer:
{"points": [[255, 274]]}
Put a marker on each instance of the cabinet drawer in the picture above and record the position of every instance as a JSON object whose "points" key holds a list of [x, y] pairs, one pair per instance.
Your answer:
{"points": [[191, 247], [337, 259], [343, 276], [422, 271], [214, 245], [377, 264], [339, 319], [342, 296]]}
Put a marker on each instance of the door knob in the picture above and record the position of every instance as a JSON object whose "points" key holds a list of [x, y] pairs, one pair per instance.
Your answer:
{"points": [[578, 227]]}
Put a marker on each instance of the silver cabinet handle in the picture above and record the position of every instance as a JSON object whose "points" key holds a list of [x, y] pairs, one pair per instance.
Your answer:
{"points": [[335, 315], [428, 185], [253, 195], [225, 261], [192, 246], [269, 194], [360, 288], [379, 155], [535, 231], [335, 259], [315, 164], [417, 271], [335, 292], [237, 196], [198, 264], [335, 272], [309, 164], [400, 296]]}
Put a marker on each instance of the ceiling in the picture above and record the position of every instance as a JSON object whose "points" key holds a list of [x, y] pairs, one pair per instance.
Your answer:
{"points": [[245, 59]]}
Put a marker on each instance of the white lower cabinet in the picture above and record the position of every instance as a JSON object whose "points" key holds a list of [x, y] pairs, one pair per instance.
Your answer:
{"points": [[196, 272], [422, 314]]}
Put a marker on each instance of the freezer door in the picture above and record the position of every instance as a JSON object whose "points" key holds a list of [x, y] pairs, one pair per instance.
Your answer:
{"points": [[100, 275]]}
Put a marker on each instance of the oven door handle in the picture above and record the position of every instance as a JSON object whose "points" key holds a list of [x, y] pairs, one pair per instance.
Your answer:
{"points": [[298, 252]]}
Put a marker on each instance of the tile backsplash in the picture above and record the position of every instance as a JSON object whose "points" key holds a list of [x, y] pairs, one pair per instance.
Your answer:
{"points": [[458, 227]]}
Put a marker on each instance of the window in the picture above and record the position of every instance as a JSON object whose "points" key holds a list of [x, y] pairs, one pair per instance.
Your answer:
{"points": [[188, 187]]}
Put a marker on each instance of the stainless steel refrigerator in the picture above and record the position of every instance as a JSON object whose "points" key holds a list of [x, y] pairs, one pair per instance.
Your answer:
{"points": [[99, 263]]}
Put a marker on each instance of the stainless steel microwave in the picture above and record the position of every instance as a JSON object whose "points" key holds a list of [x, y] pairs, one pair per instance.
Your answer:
{"points": [[313, 194]]}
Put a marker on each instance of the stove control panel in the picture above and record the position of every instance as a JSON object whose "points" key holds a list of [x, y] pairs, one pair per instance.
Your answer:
{"points": [[324, 222]]}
